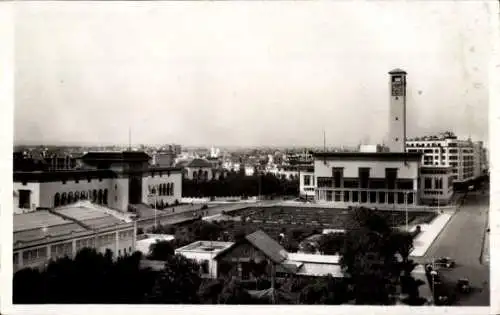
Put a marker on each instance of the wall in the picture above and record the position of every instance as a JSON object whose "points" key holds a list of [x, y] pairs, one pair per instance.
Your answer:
{"points": [[199, 257], [120, 194], [49, 189], [191, 171], [311, 185], [126, 242], [377, 168], [174, 177], [34, 196]]}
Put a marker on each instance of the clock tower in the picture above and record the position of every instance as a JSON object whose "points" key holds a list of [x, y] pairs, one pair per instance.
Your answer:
{"points": [[397, 110]]}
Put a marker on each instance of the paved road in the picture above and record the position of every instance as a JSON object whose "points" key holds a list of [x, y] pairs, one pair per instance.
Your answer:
{"points": [[463, 240]]}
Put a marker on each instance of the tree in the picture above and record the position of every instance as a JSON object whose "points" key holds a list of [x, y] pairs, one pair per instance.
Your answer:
{"points": [[161, 250], [374, 256], [331, 243], [209, 291], [234, 293], [177, 283], [324, 290]]}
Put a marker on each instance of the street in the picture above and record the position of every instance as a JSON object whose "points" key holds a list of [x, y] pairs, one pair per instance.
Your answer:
{"points": [[462, 240]]}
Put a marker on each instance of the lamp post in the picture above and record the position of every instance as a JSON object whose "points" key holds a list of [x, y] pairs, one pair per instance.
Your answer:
{"points": [[406, 211]]}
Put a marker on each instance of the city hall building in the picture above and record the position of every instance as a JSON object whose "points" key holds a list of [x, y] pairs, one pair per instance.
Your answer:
{"points": [[370, 179], [393, 178], [112, 179]]}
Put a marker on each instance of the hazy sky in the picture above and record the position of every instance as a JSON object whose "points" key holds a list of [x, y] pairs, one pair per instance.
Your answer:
{"points": [[247, 73]]}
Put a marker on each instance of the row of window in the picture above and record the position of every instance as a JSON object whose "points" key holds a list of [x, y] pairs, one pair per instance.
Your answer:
{"points": [[59, 251], [97, 196], [162, 189], [365, 196]]}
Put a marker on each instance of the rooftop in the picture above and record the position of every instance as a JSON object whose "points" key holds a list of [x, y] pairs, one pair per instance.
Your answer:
{"points": [[416, 156], [58, 175], [205, 246], [124, 156], [397, 71], [82, 217], [272, 249], [199, 163]]}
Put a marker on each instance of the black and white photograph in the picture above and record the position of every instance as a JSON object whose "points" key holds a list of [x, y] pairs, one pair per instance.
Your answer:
{"points": [[327, 153]]}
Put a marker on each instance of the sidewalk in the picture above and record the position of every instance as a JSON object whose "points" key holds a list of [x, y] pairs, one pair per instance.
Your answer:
{"points": [[429, 232]]}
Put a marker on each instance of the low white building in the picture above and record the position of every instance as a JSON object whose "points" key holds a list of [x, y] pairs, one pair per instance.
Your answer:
{"points": [[204, 252], [144, 243]]}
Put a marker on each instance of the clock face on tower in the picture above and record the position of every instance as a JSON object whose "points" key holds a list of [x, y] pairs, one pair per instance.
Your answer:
{"points": [[397, 86]]}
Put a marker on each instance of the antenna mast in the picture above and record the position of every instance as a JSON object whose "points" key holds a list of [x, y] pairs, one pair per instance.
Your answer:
{"points": [[129, 138], [324, 140]]}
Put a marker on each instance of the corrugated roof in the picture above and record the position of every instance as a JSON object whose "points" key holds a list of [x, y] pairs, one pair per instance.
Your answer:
{"points": [[52, 231], [272, 249], [37, 219]]}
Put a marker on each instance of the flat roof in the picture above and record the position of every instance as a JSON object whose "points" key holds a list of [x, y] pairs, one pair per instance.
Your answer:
{"points": [[37, 219], [92, 216], [205, 247], [415, 156], [313, 258], [123, 156], [58, 175]]}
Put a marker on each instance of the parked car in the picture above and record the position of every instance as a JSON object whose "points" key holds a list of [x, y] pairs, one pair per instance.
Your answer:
{"points": [[446, 262], [463, 285]]}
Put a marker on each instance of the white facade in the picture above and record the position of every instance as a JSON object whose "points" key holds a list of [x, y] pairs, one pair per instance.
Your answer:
{"points": [[307, 184], [459, 154], [162, 188], [204, 253], [111, 192], [436, 185], [361, 179]]}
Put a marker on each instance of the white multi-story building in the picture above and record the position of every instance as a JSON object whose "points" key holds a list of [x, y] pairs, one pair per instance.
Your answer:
{"points": [[370, 179], [113, 179], [463, 156]]}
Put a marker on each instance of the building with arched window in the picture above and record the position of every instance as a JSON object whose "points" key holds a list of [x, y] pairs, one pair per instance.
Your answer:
{"points": [[114, 179]]}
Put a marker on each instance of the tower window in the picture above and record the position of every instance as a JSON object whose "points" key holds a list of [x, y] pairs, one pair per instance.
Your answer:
{"points": [[397, 118], [396, 139], [397, 98]]}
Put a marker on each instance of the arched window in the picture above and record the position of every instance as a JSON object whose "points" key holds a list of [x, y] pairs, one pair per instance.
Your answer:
{"points": [[171, 189], [200, 174], [57, 200], [63, 199], [99, 197], [70, 197], [162, 204], [161, 189], [94, 195], [83, 195], [195, 175], [105, 197], [205, 175], [77, 196]]}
